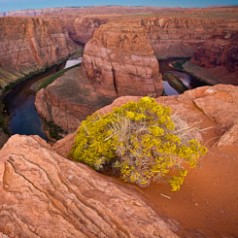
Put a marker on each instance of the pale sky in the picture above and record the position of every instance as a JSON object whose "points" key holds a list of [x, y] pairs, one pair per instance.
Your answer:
{"points": [[8, 5]]}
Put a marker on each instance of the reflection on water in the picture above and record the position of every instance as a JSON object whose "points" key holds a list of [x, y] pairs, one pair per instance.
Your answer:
{"points": [[188, 80], [168, 89]]}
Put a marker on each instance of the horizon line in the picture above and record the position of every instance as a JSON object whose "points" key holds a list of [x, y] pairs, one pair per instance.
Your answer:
{"points": [[110, 5]]}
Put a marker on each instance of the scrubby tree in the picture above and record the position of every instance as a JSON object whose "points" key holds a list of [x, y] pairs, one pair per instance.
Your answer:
{"points": [[139, 141]]}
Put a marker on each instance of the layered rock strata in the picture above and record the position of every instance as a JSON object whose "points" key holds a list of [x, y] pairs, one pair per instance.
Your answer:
{"points": [[218, 57], [180, 35], [43, 40], [30, 44], [119, 60], [46, 195], [116, 62], [69, 100]]}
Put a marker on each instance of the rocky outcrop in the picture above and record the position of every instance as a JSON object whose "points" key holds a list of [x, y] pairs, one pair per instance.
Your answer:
{"points": [[82, 28], [179, 35], [205, 194], [69, 100], [46, 195], [217, 58], [30, 44], [119, 60], [116, 61], [207, 197]]}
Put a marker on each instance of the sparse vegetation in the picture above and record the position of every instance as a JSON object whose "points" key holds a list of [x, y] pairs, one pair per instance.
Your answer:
{"points": [[50, 79], [141, 142], [178, 64], [55, 131]]}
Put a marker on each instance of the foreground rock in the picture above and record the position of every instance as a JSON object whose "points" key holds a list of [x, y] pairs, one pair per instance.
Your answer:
{"points": [[207, 204], [45, 195], [43, 190]]}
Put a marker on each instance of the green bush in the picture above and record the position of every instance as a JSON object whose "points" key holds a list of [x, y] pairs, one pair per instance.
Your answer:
{"points": [[140, 142]]}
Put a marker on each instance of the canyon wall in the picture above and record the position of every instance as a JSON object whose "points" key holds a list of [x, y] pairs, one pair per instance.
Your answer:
{"points": [[179, 36], [119, 57], [216, 60], [30, 44], [117, 61], [81, 28]]}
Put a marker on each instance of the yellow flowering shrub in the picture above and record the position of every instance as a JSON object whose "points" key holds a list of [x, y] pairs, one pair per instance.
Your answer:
{"points": [[140, 142]]}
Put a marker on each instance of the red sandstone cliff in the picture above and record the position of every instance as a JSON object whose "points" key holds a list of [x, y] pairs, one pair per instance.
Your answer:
{"points": [[29, 44], [171, 32], [117, 61], [217, 59]]}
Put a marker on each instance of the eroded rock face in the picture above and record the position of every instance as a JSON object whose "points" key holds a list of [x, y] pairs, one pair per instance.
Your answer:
{"points": [[70, 99], [119, 60], [219, 57], [171, 32], [46, 195], [30, 44], [83, 27]]}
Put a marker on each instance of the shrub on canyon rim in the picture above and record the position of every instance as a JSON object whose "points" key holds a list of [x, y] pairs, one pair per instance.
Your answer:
{"points": [[139, 141]]}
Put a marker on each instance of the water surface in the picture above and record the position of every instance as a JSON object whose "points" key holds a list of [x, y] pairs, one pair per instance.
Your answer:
{"points": [[20, 106]]}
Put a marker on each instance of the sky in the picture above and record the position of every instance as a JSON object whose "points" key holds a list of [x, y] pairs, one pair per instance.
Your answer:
{"points": [[11, 5]]}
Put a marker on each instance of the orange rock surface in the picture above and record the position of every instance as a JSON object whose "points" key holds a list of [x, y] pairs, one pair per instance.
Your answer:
{"points": [[46, 195], [119, 60], [207, 204], [30, 44]]}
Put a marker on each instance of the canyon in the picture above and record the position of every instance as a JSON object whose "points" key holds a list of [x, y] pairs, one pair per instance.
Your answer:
{"points": [[44, 193], [121, 49], [29, 45], [32, 40]]}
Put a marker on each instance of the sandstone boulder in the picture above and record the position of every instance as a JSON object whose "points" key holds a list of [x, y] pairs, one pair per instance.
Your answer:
{"points": [[45, 195]]}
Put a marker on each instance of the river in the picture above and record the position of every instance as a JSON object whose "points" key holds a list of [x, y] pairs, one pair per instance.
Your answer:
{"points": [[19, 105], [188, 80], [19, 102]]}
